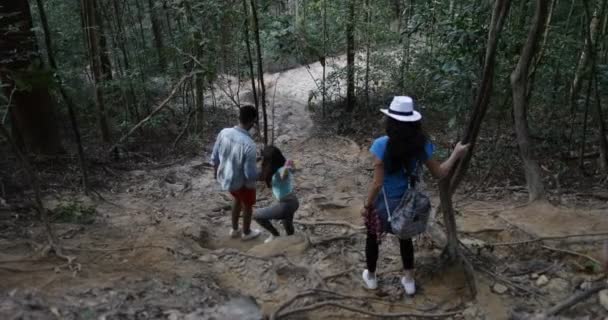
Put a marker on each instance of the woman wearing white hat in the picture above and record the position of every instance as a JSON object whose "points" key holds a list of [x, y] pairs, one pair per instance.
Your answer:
{"points": [[396, 155]]}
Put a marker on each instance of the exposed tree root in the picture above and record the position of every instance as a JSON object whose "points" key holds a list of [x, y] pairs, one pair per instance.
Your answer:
{"points": [[365, 312], [278, 313], [329, 223], [574, 253], [573, 300], [540, 239]]}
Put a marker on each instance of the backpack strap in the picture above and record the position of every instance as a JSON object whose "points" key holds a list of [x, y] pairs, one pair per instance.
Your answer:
{"points": [[388, 210], [414, 177]]}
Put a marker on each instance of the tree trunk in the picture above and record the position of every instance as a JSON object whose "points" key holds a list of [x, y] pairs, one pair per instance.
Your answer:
{"points": [[106, 65], [519, 84], [91, 29], [158, 35], [581, 163], [603, 161], [23, 75], [482, 100], [250, 58], [583, 66], [405, 59], [256, 31], [368, 44], [64, 95], [449, 184], [324, 62], [350, 57]]}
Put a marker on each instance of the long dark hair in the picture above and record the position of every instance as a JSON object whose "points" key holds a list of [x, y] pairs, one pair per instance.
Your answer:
{"points": [[406, 141], [272, 160]]}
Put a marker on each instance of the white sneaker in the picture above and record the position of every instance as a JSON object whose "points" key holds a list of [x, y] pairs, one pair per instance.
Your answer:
{"points": [[269, 239], [235, 233], [409, 285], [253, 233], [370, 282]]}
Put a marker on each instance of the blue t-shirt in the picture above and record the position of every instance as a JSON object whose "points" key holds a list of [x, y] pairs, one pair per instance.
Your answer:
{"points": [[395, 184]]}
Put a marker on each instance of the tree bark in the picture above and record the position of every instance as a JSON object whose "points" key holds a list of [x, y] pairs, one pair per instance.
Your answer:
{"points": [[519, 84], [324, 62], [256, 32], [368, 44], [106, 64], [250, 58], [603, 161], [22, 74], [158, 35], [585, 55], [64, 95], [350, 57], [92, 32], [448, 185]]}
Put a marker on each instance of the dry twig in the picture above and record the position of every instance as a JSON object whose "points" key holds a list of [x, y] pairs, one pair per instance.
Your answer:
{"points": [[540, 239], [574, 253], [159, 108]]}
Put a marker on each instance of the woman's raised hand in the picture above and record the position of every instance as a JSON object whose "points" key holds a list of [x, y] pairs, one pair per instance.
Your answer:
{"points": [[461, 149]]}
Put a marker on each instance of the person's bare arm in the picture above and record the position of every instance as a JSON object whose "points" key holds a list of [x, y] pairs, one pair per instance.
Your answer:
{"points": [[375, 185], [440, 170]]}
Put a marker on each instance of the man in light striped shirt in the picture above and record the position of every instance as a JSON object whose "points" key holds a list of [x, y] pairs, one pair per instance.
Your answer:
{"points": [[234, 160]]}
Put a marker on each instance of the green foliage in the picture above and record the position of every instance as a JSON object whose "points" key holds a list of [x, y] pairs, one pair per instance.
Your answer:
{"points": [[75, 212]]}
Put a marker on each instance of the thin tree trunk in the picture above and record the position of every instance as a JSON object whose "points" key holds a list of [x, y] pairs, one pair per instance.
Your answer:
{"points": [[158, 35], [350, 57], [32, 176], [543, 47], [256, 31], [33, 118], [581, 163], [92, 37], [64, 95], [106, 65], [323, 103], [603, 161], [519, 84], [484, 95], [448, 185], [583, 67], [250, 59], [367, 52]]}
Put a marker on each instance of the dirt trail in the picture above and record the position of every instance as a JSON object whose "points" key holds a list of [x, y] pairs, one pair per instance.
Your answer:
{"points": [[164, 232]]}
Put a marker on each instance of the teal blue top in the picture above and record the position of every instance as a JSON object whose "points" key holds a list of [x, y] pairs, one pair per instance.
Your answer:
{"points": [[282, 183]]}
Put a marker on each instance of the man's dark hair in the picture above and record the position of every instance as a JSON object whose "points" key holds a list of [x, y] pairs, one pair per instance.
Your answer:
{"points": [[248, 114]]}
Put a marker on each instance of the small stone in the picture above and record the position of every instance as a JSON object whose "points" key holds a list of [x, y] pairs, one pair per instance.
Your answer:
{"points": [[586, 285], [603, 296], [470, 313], [500, 288], [207, 258], [542, 281], [534, 276]]}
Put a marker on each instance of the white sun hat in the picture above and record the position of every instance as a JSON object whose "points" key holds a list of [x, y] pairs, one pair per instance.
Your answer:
{"points": [[402, 109]]}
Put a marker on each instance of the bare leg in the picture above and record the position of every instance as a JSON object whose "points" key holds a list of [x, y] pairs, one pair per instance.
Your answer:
{"points": [[247, 213], [236, 213]]}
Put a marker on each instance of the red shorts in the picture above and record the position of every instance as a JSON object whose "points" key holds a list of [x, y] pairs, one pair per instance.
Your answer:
{"points": [[245, 196]]}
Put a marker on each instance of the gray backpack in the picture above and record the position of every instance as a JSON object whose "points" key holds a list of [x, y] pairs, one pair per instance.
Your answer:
{"points": [[410, 218]]}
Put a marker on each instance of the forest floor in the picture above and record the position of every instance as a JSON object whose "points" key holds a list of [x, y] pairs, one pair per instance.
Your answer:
{"points": [[159, 246]]}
